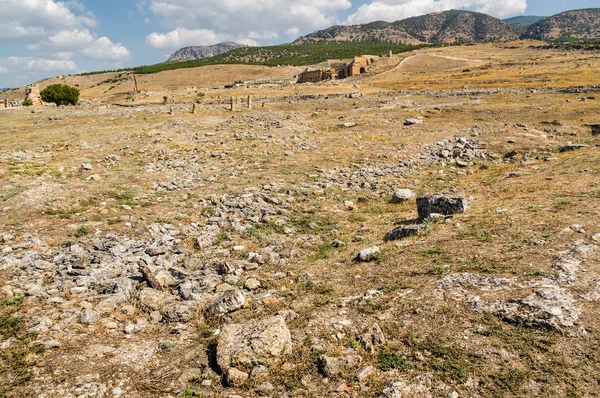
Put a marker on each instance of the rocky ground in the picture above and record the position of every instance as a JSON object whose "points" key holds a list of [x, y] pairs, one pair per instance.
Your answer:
{"points": [[382, 244]]}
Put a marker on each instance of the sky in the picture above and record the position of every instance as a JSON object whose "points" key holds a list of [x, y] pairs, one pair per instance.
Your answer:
{"points": [[44, 38]]}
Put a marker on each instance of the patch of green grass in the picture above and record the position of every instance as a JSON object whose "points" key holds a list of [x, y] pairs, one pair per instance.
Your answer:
{"points": [[122, 194], [371, 307], [12, 193], [17, 359], [507, 380], [388, 360], [317, 288], [561, 201], [63, 213], [324, 250], [436, 254], [313, 224], [440, 270], [521, 337], [82, 230], [480, 264], [450, 363], [14, 301], [536, 272], [164, 346], [9, 326]]}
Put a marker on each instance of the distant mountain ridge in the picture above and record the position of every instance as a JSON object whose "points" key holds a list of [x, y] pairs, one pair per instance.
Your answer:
{"points": [[574, 24], [466, 26], [193, 53], [440, 27], [524, 19]]}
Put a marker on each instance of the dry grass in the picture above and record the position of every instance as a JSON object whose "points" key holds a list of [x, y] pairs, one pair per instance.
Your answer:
{"points": [[49, 195]]}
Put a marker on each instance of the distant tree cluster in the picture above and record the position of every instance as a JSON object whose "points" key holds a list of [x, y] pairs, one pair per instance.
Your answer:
{"points": [[285, 54], [60, 94]]}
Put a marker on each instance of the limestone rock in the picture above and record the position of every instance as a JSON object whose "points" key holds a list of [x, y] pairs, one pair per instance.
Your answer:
{"points": [[235, 377], [229, 301], [371, 338], [244, 345], [549, 307], [402, 195], [369, 254]]}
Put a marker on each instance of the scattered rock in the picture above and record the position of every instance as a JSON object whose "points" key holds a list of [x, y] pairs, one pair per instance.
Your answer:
{"points": [[371, 338], [245, 345], [404, 231], [442, 204], [229, 301], [402, 195], [369, 254], [235, 377]]}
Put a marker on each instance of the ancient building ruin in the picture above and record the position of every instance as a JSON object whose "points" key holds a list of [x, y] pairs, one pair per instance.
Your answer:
{"points": [[32, 93], [337, 69]]}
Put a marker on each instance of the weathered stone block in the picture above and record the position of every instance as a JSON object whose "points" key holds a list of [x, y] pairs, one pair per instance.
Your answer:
{"points": [[404, 231], [443, 204]]}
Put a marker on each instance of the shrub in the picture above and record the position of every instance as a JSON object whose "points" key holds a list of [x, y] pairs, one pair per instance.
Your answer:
{"points": [[60, 94], [27, 102]]}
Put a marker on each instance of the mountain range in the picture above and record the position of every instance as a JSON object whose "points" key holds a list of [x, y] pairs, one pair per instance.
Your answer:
{"points": [[466, 26], [200, 52]]}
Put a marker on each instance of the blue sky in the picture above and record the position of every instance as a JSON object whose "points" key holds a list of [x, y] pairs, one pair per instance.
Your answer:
{"points": [[43, 38]]}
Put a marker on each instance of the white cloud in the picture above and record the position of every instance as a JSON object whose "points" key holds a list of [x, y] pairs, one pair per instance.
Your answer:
{"points": [[103, 48], [182, 37], [393, 10], [39, 64], [293, 32], [31, 18], [72, 38], [237, 19], [33, 47], [3, 69], [64, 55]]}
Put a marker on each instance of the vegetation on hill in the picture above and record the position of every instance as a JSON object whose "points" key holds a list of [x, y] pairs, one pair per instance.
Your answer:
{"points": [[285, 54], [440, 27], [567, 26], [524, 19]]}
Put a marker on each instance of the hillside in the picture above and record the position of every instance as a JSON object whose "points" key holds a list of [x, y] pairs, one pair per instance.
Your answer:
{"points": [[440, 27], [452, 26], [373, 31], [284, 54], [524, 19], [575, 24], [193, 53]]}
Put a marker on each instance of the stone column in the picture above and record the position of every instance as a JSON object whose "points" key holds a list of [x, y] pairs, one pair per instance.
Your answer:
{"points": [[233, 101], [194, 109], [250, 102], [5, 103]]}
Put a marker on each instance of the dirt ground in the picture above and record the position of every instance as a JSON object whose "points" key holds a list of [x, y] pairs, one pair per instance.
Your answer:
{"points": [[308, 174]]}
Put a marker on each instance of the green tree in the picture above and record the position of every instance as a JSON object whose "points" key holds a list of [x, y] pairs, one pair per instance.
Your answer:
{"points": [[60, 94]]}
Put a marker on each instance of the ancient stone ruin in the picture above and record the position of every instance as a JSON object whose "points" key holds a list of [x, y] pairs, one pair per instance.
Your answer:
{"points": [[337, 69], [32, 93]]}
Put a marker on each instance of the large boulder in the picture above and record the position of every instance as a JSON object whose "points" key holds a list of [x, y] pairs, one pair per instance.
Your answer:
{"points": [[442, 204], [244, 345]]}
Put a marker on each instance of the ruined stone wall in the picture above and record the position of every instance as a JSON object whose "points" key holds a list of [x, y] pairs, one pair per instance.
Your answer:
{"points": [[359, 65], [32, 93], [313, 76]]}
